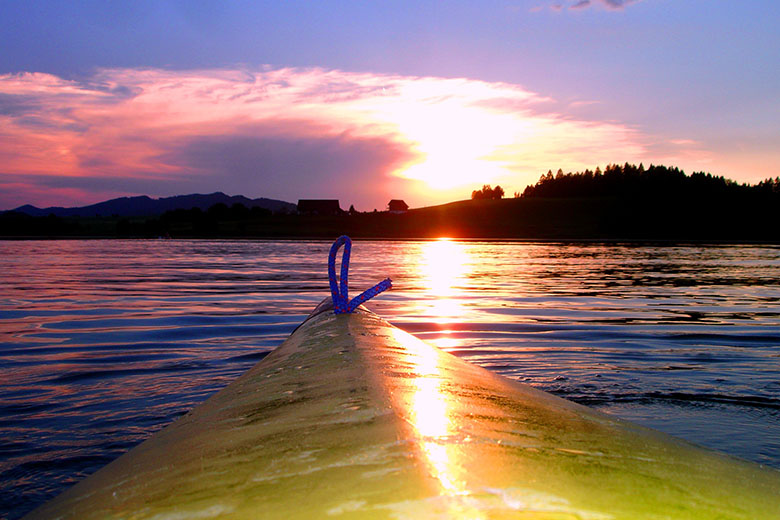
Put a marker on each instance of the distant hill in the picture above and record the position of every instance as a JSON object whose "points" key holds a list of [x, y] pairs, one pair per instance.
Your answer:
{"points": [[622, 202], [144, 206]]}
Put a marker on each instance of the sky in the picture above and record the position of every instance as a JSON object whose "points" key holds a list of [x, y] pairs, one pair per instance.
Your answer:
{"points": [[371, 101]]}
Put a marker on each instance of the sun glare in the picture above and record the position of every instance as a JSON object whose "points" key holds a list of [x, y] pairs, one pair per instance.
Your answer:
{"points": [[454, 138], [443, 265]]}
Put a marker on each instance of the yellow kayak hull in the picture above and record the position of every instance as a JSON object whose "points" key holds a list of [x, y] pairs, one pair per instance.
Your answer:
{"points": [[353, 418]]}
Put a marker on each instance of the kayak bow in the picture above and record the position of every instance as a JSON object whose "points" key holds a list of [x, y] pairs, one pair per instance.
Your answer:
{"points": [[353, 418]]}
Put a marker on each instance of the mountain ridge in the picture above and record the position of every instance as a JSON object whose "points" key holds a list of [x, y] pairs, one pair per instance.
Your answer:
{"points": [[145, 206]]}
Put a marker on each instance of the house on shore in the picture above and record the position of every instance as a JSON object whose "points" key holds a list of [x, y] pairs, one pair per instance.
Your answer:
{"points": [[319, 207], [397, 206]]}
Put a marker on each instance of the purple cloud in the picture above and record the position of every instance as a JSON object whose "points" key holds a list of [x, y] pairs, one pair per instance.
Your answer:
{"points": [[353, 169]]}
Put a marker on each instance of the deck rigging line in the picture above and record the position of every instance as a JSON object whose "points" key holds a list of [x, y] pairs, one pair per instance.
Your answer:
{"points": [[339, 289]]}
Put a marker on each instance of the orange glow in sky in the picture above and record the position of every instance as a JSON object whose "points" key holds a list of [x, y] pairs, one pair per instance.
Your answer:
{"points": [[288, 134]]}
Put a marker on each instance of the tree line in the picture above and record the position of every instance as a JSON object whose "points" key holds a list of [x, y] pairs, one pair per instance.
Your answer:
{"points": [[655, 182]]}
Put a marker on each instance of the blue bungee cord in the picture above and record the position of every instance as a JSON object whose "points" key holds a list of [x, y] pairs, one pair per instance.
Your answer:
{"points": [[339, 290]]}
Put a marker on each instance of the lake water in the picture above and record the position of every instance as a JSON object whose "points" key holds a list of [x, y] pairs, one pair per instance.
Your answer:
{"points": [[102, 343]]}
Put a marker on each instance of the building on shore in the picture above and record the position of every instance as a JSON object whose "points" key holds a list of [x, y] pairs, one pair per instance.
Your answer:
{"points": [[397, 206]]}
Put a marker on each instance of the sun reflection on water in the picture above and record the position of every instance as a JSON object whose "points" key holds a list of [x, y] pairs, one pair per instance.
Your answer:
{"points": [[443, 265], [430, 407]]}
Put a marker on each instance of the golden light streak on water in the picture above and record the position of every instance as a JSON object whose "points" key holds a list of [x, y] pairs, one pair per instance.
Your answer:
{"points": [[444, 264]]}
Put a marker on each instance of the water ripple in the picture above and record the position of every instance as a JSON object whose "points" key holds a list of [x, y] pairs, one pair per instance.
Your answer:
{"points": [[102, 343]]}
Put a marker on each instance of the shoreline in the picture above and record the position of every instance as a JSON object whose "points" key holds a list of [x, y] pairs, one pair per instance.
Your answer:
{"points": [[319, 238]]}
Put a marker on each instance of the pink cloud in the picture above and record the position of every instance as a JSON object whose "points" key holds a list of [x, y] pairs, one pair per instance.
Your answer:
{"points": [[285, 133]]}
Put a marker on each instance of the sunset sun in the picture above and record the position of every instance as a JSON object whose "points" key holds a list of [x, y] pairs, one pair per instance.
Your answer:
{"points": [[454, 136]]}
